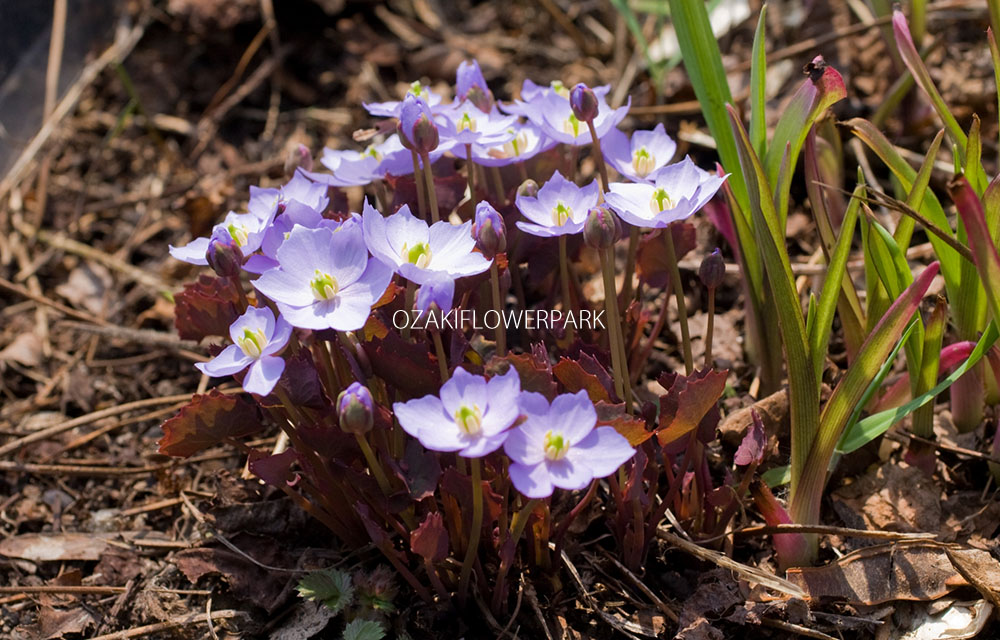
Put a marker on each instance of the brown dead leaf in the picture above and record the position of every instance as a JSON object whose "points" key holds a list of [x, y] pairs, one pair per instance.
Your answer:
{"points": [[57, 623], [895, 497], [980, 569], [905, 570], [39, 547], [25, 349], [86, 287]]}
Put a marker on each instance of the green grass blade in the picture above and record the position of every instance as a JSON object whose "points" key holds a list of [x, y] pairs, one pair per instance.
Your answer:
{"points": [[875, 425], [984, 252], [918, 190], [994, 49], [758, 97], [923, 417], [803, 383]]}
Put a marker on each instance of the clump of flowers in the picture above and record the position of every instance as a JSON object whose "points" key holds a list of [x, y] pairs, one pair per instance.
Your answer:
{"points": [[447, 444]]}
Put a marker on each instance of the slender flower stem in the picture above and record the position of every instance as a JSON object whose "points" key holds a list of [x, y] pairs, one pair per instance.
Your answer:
{"points": [[710, 328], [408, 297], [633, 250], [619, 321], [470, 171], [418, 180], [564, 283], [441, 357], [602, 169], [373, 464], [498, 188], [432, 199], [563, 527], [517, 525], [613, 323], [675, 280], [522, 169], [240, 293], [500, 335], [475, 531], [435, 579]]}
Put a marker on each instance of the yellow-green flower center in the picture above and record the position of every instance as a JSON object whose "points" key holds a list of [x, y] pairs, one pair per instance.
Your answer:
{"points": [[324, 286], [661, 201], [559, 88], [643, 162], [417, 89], [514, 147], [252, 342], [238, 233], [555, 446], [470, 419], [372, 152], [561, 214], [419, 254], [466, 122], [572, 125]]}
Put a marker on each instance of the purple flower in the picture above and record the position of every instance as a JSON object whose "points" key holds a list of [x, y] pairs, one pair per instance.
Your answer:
{"points": [[673, 193], [471, 416], [246, 230], [489, 230], [224, 255], [355, 411], [583, 101], [531, 92], [439, 292], [417, 127], [465, 123], [420, 253], [526, 141], [393, 108], [471, 85], [325, 279], [644, 154], [558, 446], [559, 209], [295, 214], [257, 336], [266, 203], [555, 116], [354, 169]]}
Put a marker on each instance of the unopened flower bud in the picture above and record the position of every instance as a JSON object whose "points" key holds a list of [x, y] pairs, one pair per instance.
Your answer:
{"points": [[224, 255], [600, 230], [417, 127], [712, 269], [528, 189], [583, 102], [482, 100], [298, 157], [489, 230], [355, 409]]}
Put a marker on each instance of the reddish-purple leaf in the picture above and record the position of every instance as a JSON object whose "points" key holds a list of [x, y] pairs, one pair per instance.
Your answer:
{"points": [[205, 307], [574, 378], [450, 189], [651, 263], [208, 420], [420, 470], [633, 428], [688, 400], [276, 469], [407, 366], [430, 539], [984, 252], [751, 450], [535, 373]]}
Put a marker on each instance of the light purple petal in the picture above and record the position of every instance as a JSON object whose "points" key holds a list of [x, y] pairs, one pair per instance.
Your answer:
{"points": [[231, 360], [263, 375], [375, 235], [253, 318], [281, 286], [573, 416], [414, 414], [349, 255], [311, 316], [305, 251], [463, 388], [483, 445], [193, 253], [501, 396], [531, 480], [402, 228], [603, 451], [566, 474], [282, 333], [524, 446]]}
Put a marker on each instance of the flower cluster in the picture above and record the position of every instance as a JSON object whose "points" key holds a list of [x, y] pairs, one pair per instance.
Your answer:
{"points": [[379, 414]]}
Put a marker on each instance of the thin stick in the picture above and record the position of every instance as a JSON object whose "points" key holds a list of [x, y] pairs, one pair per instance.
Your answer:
{"points": [[832, 531], [675, 278], [172, 623]]}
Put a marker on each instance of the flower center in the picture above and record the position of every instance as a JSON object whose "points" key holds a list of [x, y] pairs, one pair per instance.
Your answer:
{"points": [[417, 89], [643, 162], [238, 233], [555, 446], [324, 286], [466, 122], [572, 125], [372, 152], [419, 254], [252, 342], [559, 88], [470, 419], [561, 214], [513, 148], [661, 201]]}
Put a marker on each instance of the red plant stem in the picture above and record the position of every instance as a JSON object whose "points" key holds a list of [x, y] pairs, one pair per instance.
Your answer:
{"points": [[240, 293], [682, 317], [418, 180], [675, 485], [640, 363], [436, 581], [563, 527], [564, 284], [441, 357], [602, 169]]}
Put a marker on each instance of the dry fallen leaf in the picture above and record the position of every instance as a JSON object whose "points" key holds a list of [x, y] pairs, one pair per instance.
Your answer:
{"points": [[46, 548]]}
